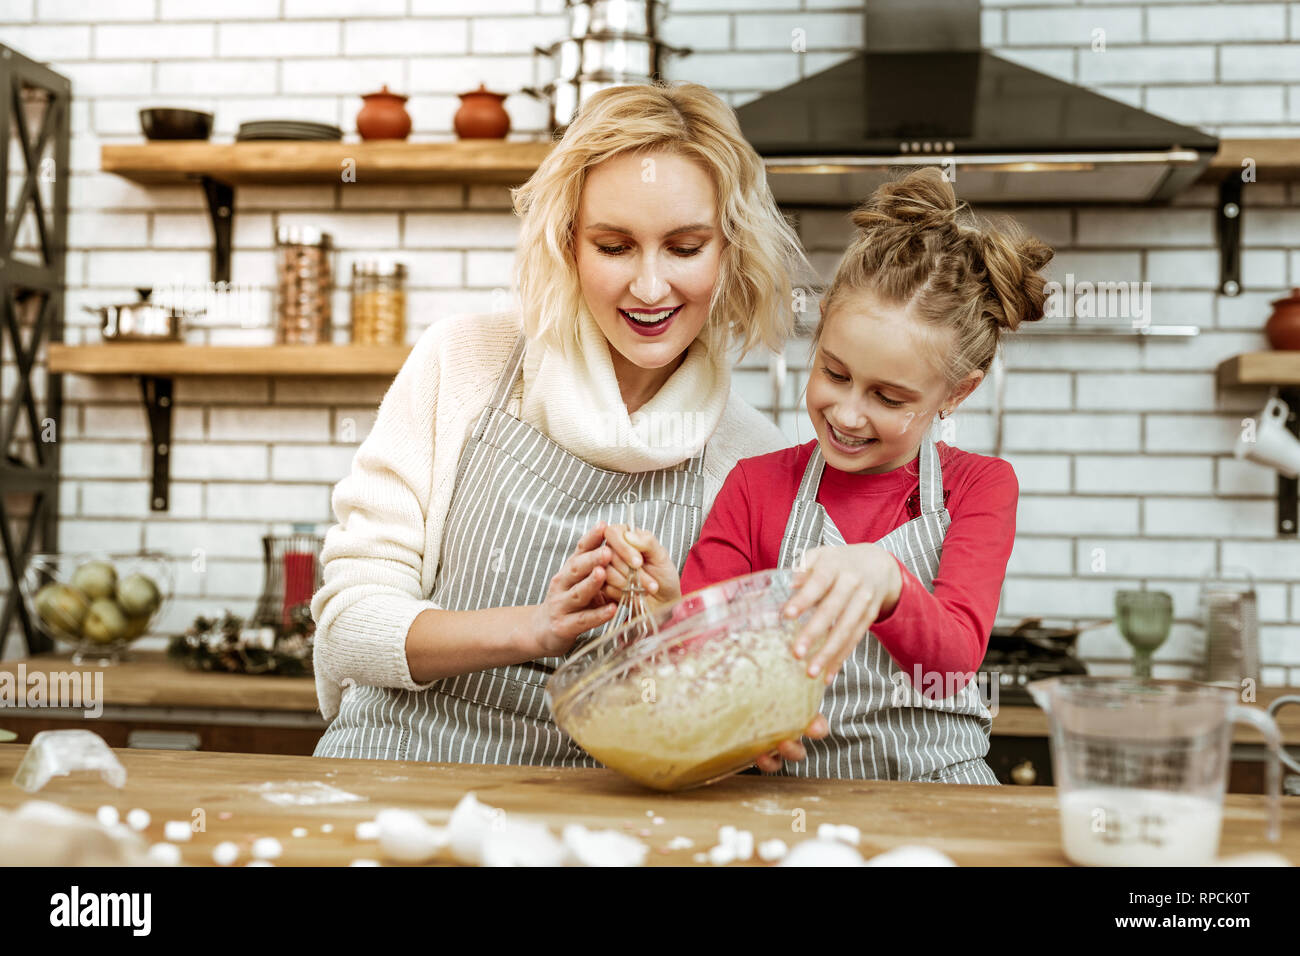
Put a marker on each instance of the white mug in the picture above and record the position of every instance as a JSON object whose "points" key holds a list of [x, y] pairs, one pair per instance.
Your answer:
{"points": [[1274, 446]]}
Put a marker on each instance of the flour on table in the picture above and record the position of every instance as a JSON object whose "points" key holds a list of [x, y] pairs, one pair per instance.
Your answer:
{"points": [[298, 793], [177, 831]]}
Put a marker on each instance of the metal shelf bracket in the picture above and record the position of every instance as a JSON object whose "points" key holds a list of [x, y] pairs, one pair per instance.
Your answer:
{"points": [[1228, 231], [1288, 489], [157, 393], [221, 213]]}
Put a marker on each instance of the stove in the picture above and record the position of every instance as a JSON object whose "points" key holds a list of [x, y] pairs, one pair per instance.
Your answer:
{"points": [[1024, 653]]}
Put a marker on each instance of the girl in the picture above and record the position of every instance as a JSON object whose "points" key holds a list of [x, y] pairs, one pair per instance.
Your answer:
{"points": [[649, 243], [893, 533]]}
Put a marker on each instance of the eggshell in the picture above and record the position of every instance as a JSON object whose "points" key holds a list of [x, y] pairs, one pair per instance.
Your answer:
{"points": [[818, 852], [911, 856]]}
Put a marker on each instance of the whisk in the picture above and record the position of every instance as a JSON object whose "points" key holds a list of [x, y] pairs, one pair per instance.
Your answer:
{"points": [[632, 605]]}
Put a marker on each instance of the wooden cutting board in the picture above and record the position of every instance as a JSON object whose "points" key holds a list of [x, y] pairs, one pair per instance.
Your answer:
{"points": [[237, 794]]}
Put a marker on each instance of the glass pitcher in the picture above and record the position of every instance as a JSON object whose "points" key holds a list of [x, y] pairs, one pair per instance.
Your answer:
{"points": [[1141, 767]]}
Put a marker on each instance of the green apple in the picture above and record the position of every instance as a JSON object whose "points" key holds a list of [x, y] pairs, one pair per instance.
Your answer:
{"points": [[62, 608], [138, 595], [135, 626], [105, 623], [96, 579]]}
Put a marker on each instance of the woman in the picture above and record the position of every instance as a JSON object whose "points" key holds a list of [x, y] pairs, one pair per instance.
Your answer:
{"points": [[649, 244]]}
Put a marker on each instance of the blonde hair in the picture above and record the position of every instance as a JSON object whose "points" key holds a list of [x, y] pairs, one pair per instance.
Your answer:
{"points": [[752, 301], [915, 249]]}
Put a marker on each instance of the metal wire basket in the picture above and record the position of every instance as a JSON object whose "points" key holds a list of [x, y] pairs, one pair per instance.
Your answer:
{"points": [[291, 575]]}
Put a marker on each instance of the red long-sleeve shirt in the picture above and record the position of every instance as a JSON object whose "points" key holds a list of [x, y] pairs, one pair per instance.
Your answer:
{"points": [[945, 632]]}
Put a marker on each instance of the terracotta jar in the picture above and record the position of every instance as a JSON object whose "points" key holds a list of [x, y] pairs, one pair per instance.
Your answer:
{"points": [[482, 115], [1283, 326], [384, 116]]}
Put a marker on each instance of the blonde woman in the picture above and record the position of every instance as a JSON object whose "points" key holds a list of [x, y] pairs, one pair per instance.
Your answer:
{"points": [[469, 553]]}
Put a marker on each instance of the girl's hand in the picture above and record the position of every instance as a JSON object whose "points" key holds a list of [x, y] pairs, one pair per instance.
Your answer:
{"points": [[848, 585], [574, 602], [640, 549], [793, 749]]}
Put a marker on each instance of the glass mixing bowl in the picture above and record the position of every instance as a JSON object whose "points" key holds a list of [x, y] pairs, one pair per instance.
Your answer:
{"points": [[121, 611], [713, 688]]}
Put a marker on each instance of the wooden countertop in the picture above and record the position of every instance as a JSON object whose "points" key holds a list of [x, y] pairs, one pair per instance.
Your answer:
{"points": [[975, 826], [152, 680]]}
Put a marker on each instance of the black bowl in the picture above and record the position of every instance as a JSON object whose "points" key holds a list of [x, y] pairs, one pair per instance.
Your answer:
{"points": [[175, 124]]}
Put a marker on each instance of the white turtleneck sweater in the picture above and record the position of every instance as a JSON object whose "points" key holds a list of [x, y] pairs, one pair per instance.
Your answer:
{"points": [[381, 558]]}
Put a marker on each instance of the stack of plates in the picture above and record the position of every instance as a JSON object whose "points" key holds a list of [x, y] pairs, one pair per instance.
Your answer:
{"points": [[287, 129]]}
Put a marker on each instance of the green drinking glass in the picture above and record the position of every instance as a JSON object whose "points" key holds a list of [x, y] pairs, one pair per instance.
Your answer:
{"points": [[1144, 619]]}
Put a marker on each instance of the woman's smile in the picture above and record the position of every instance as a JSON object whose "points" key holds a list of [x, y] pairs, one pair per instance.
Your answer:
{"points": [[650, 321]]}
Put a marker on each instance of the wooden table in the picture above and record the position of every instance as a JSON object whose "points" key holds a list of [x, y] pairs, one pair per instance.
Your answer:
{"points": [[975, 826], [153, 701]]}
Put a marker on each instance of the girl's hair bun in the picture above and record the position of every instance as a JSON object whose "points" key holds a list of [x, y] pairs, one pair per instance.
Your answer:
{"points": [[1012, 260], [923, 200], [919, 247]]}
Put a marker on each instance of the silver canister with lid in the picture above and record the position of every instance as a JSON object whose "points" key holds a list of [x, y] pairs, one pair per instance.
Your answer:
{"points": [[378, 302], [1230, 618], [304, 284]]}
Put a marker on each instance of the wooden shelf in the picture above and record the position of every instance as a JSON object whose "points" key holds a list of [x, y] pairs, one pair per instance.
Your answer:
{"points": [[282, 162], [475, 161], [1280, 369], [1274, 158], [1260, 368], [166, 359]]}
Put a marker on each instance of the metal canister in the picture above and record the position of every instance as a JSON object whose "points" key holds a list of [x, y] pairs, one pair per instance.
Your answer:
{"points": [[304, 285], [1230, 617], [378, 302]]}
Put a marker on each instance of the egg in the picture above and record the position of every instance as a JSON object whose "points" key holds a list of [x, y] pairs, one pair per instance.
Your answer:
{"points": [[406, 837], [911, 856], [819, 852], [602, 847]]}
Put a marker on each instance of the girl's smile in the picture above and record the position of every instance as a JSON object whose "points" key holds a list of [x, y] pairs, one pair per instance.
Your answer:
{"points": [[847, 444]]}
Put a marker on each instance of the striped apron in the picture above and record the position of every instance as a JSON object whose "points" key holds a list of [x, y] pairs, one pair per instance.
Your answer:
{"points": [[880, 728], [520, 504]]}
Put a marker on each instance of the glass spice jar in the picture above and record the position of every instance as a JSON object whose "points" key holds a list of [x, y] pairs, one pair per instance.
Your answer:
{"points": [[378, 302], [304, 285]]}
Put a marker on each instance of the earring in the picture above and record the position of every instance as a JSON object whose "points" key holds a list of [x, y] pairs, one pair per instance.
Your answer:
{"points": [[943, 413]]}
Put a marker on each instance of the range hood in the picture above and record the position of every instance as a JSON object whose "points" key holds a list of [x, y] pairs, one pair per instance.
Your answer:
{"points": [[923, 93]]}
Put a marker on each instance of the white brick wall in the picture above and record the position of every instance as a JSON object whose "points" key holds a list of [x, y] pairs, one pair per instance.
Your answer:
{"points": [[1118, 444]]}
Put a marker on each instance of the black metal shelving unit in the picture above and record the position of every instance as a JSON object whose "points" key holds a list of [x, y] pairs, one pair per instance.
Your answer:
{"points": [[35, 125]]}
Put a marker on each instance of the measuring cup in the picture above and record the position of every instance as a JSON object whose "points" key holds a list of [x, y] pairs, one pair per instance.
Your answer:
{"points": [[1273, 708], [1141, 767]]}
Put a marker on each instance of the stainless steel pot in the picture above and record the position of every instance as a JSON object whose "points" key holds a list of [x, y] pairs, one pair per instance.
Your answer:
{"points": [[565, 97], [615, 16], [584, 56], [142, 321]]}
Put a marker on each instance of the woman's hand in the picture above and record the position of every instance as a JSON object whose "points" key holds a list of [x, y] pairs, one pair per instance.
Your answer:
{"points": [[793, 749], [640, 549], [574, 602], [849, 586]]}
